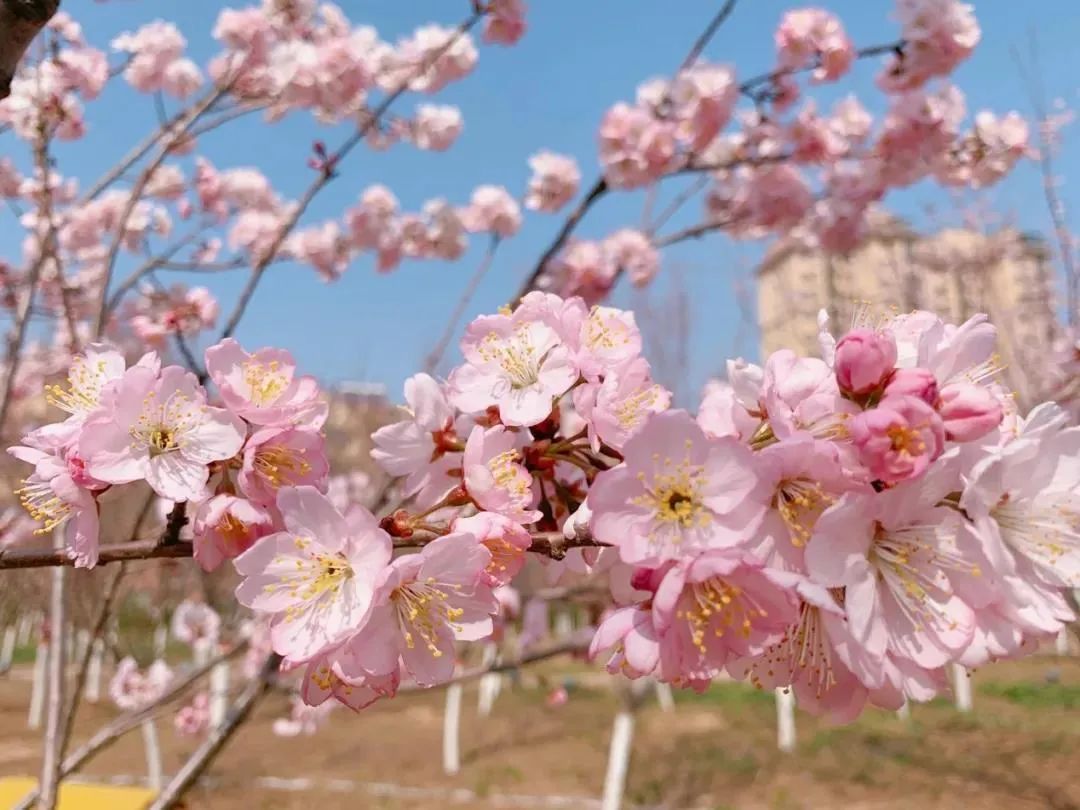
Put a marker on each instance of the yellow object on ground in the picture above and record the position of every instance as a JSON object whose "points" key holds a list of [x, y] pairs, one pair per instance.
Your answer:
{"points": [[78, 797]]}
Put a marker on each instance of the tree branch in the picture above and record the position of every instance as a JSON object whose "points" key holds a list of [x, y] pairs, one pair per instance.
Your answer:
{"points": [[201, 758], [125, 723], [436, 355], [20, 22]]}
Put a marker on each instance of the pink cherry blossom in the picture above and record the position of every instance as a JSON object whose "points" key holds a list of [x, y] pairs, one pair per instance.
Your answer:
{"points": [[425, 603], [225, 527], [632, 252], [814, 37], [717, 606], [1023, 505], [159, 429], [515, 363], [282, 457], [703, 96], [495, 477], [323, 679], [678, 493], [194, 718], [899, 438], [937, 35], [896, 555], [504, 538], [316, 579], [60, 492], [493, 210], [505, 23], [323, 247], [805, 477], [616, 408], [263, 387], [195, 623], [554, 182], [606, 340], [436, 127], [635, 147], [583, 269], [132, 688]]}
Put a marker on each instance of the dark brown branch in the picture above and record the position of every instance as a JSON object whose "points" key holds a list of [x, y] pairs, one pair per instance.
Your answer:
{"points": [[549, 544], [120, 552], [598, 190], [20, 22]]}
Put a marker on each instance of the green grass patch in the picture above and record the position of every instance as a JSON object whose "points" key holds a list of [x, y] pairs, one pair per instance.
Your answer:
{"points": [[726, 694], [1035, 695]]}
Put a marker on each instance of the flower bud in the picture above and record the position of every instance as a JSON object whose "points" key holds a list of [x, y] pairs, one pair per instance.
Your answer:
{"points": [[969, 411], [864, 360], [913, 382]]}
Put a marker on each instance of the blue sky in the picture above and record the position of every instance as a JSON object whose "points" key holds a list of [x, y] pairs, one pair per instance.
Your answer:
{"points": [[548, 92]]}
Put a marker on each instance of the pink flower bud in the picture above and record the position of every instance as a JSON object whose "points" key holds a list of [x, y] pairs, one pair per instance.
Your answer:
{"points": [[913, 382], [899, 438], [864, 360], [969, 411]]}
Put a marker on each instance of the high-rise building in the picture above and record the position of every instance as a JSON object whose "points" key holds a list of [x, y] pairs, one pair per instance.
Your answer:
{"points": [[954, 273]]}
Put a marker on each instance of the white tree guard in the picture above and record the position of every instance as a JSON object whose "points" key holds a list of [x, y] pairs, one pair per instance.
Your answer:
{"points": [[37, 693], [25, 626], [451, 743], [490, 684], [82, 641], [155, 778], [1061, 643], [785, 719], [93, 672], [962, 688], [161, 640], [219, 693], [7, 648], [664, 696], [622, 735]]}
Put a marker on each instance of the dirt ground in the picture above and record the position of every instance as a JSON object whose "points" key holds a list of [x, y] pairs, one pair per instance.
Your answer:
{"points": [[1019, 749]]}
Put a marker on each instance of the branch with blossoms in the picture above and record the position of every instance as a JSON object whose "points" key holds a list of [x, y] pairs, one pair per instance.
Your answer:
{"points": [[845, 525]]}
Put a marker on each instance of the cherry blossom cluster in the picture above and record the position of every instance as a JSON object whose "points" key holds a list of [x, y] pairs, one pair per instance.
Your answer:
{"points": [[845, 526], [153, 425], [777, 169]]}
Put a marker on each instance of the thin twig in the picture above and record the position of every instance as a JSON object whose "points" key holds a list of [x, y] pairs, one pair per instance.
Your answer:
{"points": [[175, 135], [201, 758], [436, 354], [710, 31], [150, 266], [543, 654], [1055, 205]]}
